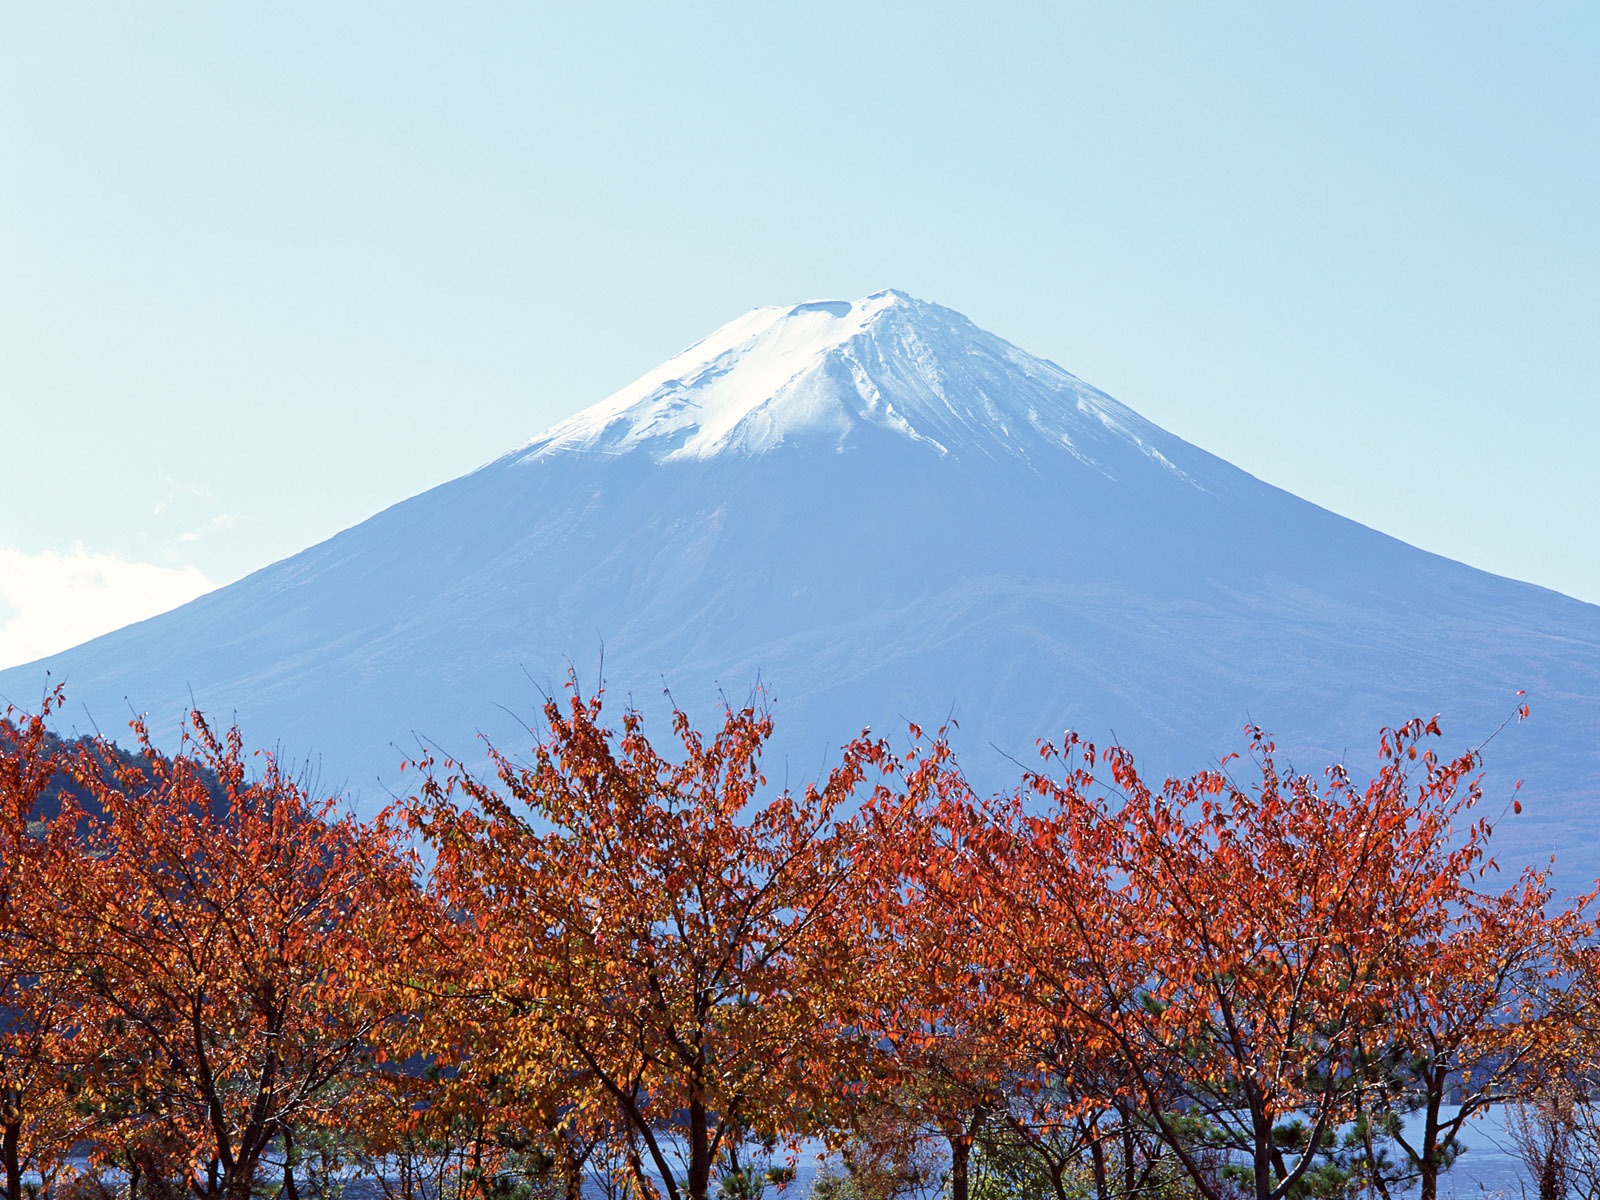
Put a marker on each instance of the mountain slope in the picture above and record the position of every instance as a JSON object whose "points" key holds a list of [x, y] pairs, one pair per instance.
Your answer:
{"points": [[883, 513]]}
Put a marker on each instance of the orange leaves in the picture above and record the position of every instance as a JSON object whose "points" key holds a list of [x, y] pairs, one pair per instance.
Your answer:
{"points": [[39, 1122], [620, 936], [1244, 950], [673, 934], [222, 938]]}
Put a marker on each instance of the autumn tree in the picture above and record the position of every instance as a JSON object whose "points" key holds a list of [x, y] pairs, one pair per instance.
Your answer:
{"points": [[963, 900], [1478, 1016], [1553, 1117], [38, 1122], [939, 1062], [650, 938], [228, 934], [486, 1096], [1236, 946], [1039, 917]]}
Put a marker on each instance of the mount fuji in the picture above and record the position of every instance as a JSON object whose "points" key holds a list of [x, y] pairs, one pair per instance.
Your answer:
{"points": [[881, 513]]}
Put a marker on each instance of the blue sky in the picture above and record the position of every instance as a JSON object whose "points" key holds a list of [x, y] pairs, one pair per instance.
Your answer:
{"points": [[266, 269]]}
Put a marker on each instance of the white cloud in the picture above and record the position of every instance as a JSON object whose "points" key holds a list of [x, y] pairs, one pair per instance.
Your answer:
{"points": [[180, 493], [216, 524], [51, 601]]}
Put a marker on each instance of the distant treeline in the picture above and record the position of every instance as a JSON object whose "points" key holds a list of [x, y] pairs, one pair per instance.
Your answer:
{"points": [[70, 788]]}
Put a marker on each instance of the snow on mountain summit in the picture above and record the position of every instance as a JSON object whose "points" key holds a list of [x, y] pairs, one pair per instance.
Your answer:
{"points": [[833, 371]]}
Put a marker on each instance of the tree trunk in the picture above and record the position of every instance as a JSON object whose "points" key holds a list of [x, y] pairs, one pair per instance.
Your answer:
{"points": [[9, 1149], [239, 1183], [290, 1191], [699, 1151], [1551, 1186], [1261, 1160], [960, 1158], [571, 1171], [1058, 1183], [1428, 1169], [647, 1190], [1097, 1157]]}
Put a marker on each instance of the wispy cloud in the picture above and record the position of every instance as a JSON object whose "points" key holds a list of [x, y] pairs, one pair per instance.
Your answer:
{"points": [[180, 494], [54, 600], [216, 524]]}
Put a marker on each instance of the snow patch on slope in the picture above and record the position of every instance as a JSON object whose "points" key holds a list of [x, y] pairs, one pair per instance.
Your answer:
{"points": [[825, 372]]}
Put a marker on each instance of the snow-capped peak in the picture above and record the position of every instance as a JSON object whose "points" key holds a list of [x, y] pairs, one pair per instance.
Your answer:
{"points": [[831, 370]]}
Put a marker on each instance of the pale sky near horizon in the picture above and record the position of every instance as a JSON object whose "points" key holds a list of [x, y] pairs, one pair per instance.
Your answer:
{"points": [[267, 269]]}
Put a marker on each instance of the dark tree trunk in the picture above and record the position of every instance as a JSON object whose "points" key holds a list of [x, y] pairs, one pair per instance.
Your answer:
{"points": [[1097, 1159], [641, 1181], [1261, 1159], [240, 1182], [571, 1171], [1058, 1182], [1429, 1167], [10, 1144], [960, 1162], [290, 1191], [699, 1151]]}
